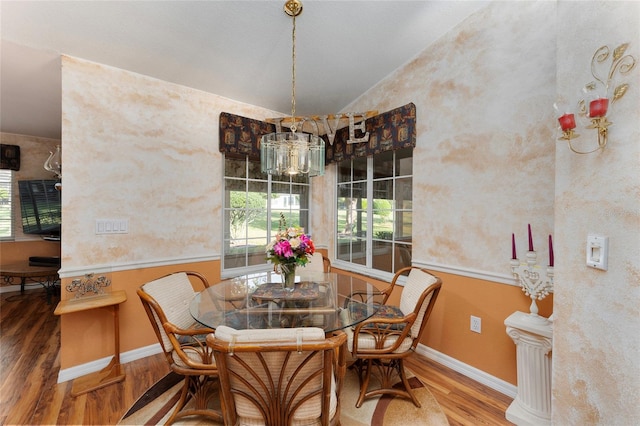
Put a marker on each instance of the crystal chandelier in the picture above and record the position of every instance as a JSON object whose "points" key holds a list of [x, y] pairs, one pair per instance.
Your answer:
{"points": [[291, 153]]}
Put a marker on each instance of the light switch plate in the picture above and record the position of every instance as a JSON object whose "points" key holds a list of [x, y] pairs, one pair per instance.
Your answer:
{"points": [[112, 226], [597, 251]]}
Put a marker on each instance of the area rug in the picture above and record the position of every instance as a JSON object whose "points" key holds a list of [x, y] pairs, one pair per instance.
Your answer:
{"points": [[155, 406]]}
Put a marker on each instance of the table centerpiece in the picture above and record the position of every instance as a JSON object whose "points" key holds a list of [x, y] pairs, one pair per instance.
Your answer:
{"points": [[290, 248]]}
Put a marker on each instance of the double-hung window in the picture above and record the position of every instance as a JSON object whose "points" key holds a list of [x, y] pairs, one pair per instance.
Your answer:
{"points": [[374, 211], [6, 212], [253, 202]]}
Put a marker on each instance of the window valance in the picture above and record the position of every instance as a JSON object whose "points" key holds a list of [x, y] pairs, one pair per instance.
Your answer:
{"points": [[240, 136], [395, 129], [391, 130]]}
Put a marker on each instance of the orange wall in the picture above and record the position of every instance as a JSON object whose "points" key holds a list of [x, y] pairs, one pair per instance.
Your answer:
{"points": [[17, 251], [88, 336], [492, 351]]}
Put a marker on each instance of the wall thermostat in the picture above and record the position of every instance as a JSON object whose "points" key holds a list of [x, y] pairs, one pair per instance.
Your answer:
{"points": [[597, 251]]}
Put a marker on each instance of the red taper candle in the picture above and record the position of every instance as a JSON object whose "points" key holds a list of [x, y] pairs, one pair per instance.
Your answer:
{"points": [[550, 251], [513, 247], [530, 239]]}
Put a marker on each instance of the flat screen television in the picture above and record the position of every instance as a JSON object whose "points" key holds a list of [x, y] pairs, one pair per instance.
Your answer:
{"points": [[40, 203]]}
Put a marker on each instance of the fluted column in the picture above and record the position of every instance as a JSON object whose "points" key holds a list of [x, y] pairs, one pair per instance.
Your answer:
{"points": [[533, 336]]}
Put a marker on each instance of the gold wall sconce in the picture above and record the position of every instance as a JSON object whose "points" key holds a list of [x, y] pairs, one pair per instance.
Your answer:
{"points": [[598, 98]]}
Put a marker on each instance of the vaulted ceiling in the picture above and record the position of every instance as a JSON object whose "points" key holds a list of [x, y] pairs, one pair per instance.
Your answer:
{"points": [[237, 49]]}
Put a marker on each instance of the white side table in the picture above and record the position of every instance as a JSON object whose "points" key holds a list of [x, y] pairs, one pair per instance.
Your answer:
{"points": [[533, 336]]}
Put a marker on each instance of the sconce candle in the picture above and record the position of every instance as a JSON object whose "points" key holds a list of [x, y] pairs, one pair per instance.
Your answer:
{"points": [[598, 107], [513, 247], [530, 239], [550, 251], [567, 122], [598, 94]]}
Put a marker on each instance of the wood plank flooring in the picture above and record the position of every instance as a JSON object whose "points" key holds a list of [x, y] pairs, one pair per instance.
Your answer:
{"points": [[29, 366]]}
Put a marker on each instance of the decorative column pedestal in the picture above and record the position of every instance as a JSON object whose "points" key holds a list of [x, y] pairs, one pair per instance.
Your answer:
{"points": [[533, 336]]}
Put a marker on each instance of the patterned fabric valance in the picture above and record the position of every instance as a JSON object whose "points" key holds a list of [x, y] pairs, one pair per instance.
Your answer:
{"points": [[240, 136], [9, 157], [391, 130], [395, 129]]}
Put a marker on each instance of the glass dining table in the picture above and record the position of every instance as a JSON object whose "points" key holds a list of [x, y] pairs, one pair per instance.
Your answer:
{"points": [[260, 300]]}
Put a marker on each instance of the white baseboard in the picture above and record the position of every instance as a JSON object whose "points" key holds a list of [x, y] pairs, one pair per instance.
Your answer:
{"points": [[97, 365], [452, 363], [479, 376]]}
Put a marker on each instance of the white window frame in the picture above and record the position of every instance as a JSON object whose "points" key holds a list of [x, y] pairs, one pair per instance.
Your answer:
{"points": [[6, 182], [367, 268], [271, 227]]}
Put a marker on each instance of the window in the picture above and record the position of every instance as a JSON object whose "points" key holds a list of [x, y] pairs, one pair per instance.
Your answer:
{"points": [[253, 202], [374, 211], [6, 212]]}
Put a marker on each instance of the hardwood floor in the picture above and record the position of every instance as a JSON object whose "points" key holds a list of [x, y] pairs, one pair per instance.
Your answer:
{"points": [[29, 365]]}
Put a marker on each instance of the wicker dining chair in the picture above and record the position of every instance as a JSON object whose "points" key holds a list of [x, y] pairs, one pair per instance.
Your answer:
{"points": [[318, 263], [383, 341], [279, 377], [166, 302]]}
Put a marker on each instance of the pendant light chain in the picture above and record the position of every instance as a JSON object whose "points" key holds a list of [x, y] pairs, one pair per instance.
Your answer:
{"points": [[287, 153], [293, 76]]}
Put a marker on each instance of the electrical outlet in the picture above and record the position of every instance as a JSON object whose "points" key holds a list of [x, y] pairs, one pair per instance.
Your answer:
{"points": [[476, 324]]}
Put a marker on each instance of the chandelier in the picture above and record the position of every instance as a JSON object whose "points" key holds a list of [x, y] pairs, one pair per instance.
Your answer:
{"points": [[291, 153]]}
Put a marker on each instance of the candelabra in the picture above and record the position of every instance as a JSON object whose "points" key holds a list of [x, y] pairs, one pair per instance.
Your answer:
{"points": [[533, 283], [89, 284]]}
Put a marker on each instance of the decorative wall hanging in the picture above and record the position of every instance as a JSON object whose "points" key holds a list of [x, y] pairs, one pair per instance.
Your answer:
{"points": [[10, 157], [89, 285]]}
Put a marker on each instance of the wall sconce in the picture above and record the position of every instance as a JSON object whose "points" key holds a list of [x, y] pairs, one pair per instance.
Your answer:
{"points": [[53, 164], [599, 96]]}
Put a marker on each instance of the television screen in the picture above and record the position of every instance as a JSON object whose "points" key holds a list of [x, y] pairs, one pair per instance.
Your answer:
{"points": [[40, 203]]}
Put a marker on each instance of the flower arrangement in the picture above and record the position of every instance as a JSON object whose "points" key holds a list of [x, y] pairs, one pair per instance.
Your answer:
{"points": [[290, 247]]}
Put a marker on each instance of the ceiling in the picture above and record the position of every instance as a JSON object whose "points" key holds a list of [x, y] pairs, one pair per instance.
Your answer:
{"points": [[237, 49]]}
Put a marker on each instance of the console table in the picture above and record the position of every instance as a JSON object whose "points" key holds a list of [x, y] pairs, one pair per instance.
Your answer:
{"points": [[47, 276], [112, 373]]}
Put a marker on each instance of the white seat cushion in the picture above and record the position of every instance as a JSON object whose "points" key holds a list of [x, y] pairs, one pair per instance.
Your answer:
{"points": [[417, 282], [310, 411], [173, 293]]}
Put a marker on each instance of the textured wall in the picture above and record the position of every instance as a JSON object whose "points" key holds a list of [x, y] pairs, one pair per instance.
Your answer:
{"points": [[145, 150], [597, 313], [483, 168], [484, 161]]}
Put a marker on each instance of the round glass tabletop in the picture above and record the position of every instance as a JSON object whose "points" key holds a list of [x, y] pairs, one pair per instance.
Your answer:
{"points": [[260, 301]]}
